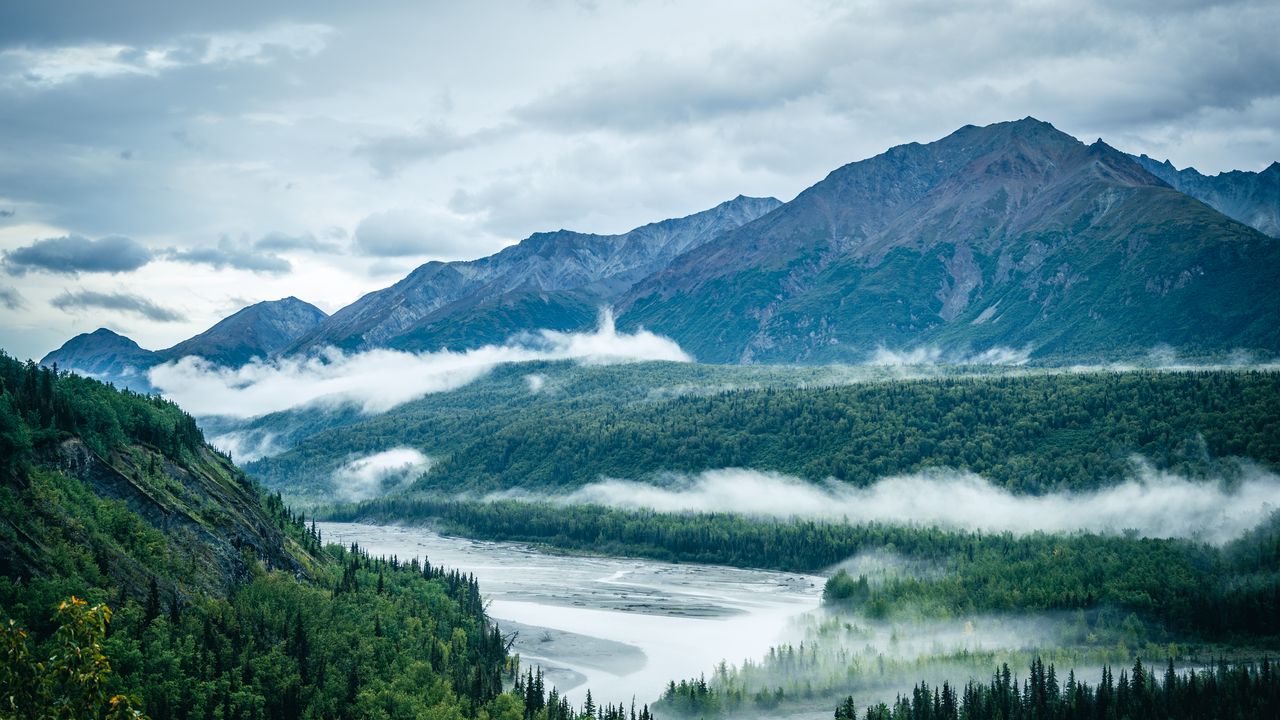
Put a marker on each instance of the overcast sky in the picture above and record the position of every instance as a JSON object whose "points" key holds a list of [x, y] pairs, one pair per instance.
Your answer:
{"points": [[163, 164]]}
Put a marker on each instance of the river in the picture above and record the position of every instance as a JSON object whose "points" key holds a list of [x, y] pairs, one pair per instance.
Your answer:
{"points": [[619, 626]]}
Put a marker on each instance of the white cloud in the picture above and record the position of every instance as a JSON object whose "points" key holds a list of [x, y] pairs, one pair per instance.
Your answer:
{"points": [[380, 472], [1155, 503], [245, 446], [379, 380]]}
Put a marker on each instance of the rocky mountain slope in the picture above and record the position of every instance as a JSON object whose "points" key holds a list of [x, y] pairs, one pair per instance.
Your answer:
{"points": [[554, 280], [1013, 235], [1252, 198], [259, 330]]}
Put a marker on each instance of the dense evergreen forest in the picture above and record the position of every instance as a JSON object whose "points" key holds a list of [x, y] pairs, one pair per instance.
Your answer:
{"points": [[1030, 433], [1226, 690], [195, 594], [1191, 588]]}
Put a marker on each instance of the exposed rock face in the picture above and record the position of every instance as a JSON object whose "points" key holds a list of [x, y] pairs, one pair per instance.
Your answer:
{"points": [[206, 508], [1013, 235], [1252, 198]]}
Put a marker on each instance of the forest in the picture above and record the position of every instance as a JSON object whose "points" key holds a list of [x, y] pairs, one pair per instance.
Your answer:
{"points": [[193, 592], [113, 606], [1222, 690], [1030, 433]]}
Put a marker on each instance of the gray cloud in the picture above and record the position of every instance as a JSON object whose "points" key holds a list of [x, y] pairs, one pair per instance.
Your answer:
{"points": [[118, 301], [658, 92], [11, 299], [6, 213], [228, 254], [74, 254], [281, 242], [402, 233], [389, 154]]}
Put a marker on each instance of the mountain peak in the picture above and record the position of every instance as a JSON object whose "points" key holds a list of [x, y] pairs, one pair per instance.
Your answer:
{"points": [[107, 354], [104, 333], [257, 331]]}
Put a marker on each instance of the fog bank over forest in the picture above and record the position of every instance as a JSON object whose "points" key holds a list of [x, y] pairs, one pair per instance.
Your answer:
{"points": [[1152, 502]]}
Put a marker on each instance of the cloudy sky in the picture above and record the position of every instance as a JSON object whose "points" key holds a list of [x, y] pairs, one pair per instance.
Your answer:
{"points": [[162, 167]]}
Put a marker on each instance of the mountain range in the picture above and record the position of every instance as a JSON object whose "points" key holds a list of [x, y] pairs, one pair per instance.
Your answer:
{"points": [[1010, 236], [1252, 198]]}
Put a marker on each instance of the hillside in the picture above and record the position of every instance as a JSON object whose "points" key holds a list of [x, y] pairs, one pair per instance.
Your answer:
{"points": [[1031, 433], [223, 603], [1013, 235]]}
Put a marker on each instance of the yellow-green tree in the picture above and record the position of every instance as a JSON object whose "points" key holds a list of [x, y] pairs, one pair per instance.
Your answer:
{"points": [[70, 678]]}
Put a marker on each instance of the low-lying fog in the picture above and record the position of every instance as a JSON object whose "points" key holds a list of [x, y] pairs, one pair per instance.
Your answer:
{"points": [[621, 627], [1153, 503]]}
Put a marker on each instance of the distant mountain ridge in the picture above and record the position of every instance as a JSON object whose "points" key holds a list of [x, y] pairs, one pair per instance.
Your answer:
{"points": [[1252, 198], [550, 280], [259, 330]]}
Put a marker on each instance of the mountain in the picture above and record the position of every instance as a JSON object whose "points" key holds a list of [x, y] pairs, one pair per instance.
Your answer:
{"points": [[259, 330], [555, 280], [1014, 235], [1252, 198], [256, 331], [106, 355]]}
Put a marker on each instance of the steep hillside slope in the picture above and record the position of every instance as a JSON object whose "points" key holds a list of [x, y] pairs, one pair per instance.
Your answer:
{"points": [[222, 603], [1011, 235]]}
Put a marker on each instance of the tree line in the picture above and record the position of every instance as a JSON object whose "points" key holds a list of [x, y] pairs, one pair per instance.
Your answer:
{"points": [[1242, 690], [1034, 434]]}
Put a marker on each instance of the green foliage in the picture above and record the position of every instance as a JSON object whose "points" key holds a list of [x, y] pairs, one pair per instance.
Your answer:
{"points": [[841, 588], [226, 604], [1029, 433], [1227, 691], [54, 405], [71, 681]]}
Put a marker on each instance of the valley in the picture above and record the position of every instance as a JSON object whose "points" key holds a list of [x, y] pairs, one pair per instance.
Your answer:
{"points": [[1001, 400]]}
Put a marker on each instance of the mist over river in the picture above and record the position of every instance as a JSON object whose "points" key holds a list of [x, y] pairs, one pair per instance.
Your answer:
{"points": [[621, 627]]}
